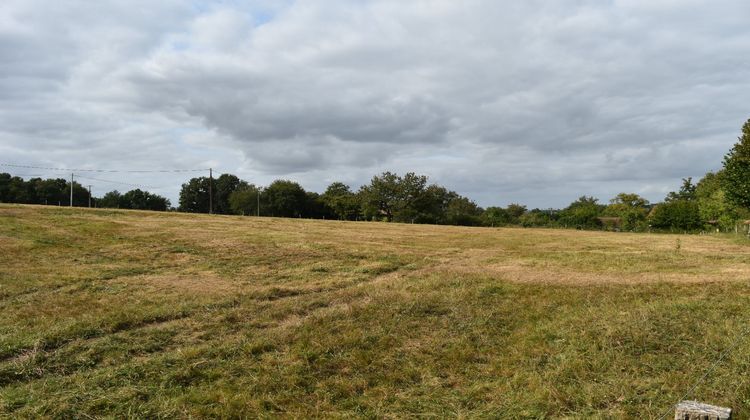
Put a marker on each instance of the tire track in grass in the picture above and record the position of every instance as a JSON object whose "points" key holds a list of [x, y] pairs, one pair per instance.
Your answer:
{"points": [[92, 332], [10, 376]]}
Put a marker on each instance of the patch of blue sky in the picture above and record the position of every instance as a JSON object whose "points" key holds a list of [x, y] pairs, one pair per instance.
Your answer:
{"points": [[262, 12]]}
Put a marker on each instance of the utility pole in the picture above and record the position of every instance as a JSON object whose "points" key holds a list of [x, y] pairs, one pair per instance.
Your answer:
{"points": [[71, 190], [210, 191], [89, 196], [258, 208]]}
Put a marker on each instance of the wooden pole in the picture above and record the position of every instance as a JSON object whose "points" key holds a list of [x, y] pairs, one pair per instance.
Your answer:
{"points": [[210, 191]]}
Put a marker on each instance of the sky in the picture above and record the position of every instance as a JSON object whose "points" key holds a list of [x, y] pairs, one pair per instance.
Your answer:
{"points": [[535, 102]]}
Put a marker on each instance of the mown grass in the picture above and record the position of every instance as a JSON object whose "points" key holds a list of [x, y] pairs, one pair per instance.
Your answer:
{"points": [[139, 314]]}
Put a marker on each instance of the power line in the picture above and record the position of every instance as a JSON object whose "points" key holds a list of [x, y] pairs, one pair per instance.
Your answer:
{"points": [[31, 176], [104, 170], [28, 175], [118, 182]]}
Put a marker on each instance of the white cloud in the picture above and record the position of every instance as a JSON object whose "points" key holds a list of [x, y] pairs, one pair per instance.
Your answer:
{"points": [[503, 101]]}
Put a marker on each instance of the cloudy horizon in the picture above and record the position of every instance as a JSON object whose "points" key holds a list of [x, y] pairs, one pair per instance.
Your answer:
{"points": [[531, 102]]}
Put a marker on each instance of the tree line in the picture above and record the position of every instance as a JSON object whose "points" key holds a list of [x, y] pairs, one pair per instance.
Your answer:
{"points": [[56, 191], [388, 197], [409, 198], [718, 201]]}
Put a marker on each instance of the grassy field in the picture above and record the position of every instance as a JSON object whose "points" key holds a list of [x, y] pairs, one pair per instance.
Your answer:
{"points": [[137, 314]]}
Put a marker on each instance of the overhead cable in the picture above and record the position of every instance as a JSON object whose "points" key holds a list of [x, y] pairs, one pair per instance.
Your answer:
{"points": [[104, 170]]}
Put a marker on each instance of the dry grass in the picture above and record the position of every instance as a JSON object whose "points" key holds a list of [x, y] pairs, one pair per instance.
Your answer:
{"points": [[139, 314]]}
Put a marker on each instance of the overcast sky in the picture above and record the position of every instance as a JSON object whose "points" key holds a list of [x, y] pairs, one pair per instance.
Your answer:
{"points": [[536, 102]]}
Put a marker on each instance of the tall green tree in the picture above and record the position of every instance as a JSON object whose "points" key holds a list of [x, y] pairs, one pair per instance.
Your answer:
{"points": [[411, 189], [245, 200], [194, 195], [223, 187], [14, 190], [686, 191], [52, 191], [463, 212], [316, 208], [5, 196], [340, 198], [736, 174], [285, 198], [80, 195], [515, 211], [432, 205], [138, 199], [395, 198], [713, 205], [631, 208], [112, 200], [630, 200], [582, 213], [380, 198]]}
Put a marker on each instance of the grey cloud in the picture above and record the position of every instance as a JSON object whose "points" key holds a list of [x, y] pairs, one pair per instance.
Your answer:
{"points": [[503, 101]]}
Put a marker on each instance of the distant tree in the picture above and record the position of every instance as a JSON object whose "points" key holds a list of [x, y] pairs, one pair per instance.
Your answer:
{"points": [[112, 199], [223, 187], [676, 215], [194, 196], [432, 204], [515, 211], [498, 216], [401, 199], [686, 192], [582, 213], [14, 189], [630, 200], [80, 195], [136, 199], [52, 191], [32, 187], [411, 188], [718, 210], [17, 191], [144, 200], [244, 200], [464, 212], [736, 174], [708, 185], [538, 218], [713, 205], [495, 216], [5, 196], [285, 199], [380, 198], [340, 198], [316, 207], [631, 208]]}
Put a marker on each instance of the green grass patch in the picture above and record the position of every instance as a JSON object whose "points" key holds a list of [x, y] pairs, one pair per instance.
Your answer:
{"points": [[138, 314]]}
